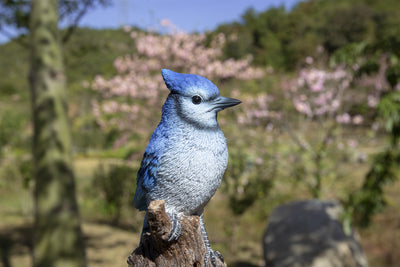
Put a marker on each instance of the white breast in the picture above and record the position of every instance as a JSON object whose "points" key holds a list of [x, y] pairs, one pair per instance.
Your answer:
{"points": [[191, 170]]}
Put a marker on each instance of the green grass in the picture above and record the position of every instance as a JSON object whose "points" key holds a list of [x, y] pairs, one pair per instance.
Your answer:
{"points": [[237, 238]]}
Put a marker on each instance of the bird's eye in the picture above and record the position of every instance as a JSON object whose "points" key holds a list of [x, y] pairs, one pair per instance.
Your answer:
{"points": [[196, 99]]}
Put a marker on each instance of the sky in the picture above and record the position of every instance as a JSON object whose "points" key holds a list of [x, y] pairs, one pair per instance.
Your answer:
{"points": [[187, 15]]}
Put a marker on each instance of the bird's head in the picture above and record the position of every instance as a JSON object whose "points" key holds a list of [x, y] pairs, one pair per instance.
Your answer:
{"points": [[197, 99]]}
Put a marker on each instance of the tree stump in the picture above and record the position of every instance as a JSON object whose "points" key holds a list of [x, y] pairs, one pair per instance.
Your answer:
{"points": [[156, 250]]}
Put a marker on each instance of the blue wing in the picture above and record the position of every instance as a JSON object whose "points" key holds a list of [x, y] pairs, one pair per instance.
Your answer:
{"points": [[147, 174], [146, 179]]}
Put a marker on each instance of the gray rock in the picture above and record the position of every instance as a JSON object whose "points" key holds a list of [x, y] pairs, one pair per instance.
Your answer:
{"points": [[309, 234]]}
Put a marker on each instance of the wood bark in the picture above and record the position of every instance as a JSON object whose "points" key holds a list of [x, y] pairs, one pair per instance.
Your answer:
{"points": [[156, 250], [58, 240]]}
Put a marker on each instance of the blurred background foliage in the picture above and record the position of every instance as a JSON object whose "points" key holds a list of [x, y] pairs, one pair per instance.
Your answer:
{"points": [[322, 121]]}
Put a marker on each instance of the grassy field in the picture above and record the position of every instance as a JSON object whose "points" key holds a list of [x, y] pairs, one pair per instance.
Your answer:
{"points": [[237, 238]]}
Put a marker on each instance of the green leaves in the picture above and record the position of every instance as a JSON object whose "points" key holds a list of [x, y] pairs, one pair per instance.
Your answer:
{"points": [[370, 199], [389, 110]]}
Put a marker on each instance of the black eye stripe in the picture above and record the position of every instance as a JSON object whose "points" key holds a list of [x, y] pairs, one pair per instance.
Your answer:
{"points": [[196, 99]]}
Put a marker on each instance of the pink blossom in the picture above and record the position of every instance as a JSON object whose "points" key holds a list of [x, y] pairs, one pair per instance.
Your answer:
{"points": [[165, 22], [343, 118], [257, 112], [372, 101], [352, 144], [340, 146], [319, 92], [259, 161], [269, 127], [138, 82], [303, 107], [127, 28], [309, 60], [357, 119], [375, 126]]}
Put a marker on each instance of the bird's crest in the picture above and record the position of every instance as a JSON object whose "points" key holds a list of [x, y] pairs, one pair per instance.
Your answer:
{"points": [[188, 83]]}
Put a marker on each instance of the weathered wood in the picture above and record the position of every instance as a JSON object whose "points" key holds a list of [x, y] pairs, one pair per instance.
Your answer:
{"points": [[156, 250]]}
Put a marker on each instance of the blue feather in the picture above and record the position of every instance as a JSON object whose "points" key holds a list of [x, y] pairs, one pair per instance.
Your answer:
{"points": [[146, 179], [186, 84]]}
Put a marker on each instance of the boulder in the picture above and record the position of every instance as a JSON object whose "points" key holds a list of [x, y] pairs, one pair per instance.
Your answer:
{"points": [[309, 234]]}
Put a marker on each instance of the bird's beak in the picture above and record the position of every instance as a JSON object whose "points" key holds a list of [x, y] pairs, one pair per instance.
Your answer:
{"points": [[222, 102]]}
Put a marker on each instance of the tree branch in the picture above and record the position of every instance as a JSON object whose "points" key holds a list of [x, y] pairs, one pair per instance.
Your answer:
{"points": [[156, 250], [74, 25]]}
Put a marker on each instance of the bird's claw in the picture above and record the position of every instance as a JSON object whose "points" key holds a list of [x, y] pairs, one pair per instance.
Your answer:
{"points": [[176, 228], [211, 255]]}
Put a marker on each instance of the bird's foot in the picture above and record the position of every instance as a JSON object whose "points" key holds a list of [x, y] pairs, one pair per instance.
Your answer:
{"points": [[176, 228], [212, 256]]}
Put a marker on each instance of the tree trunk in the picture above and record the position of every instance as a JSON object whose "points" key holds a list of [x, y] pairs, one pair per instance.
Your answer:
{"points": [[155, 250], [58, 240]]}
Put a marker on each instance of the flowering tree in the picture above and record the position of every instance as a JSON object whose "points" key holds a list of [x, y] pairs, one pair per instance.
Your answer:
{"points": [[130, 99], [318, 92], [321, 99], [320, 96]]}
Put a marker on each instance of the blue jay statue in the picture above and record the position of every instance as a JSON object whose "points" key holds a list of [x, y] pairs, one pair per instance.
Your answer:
{"points": [[187, 155]]}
